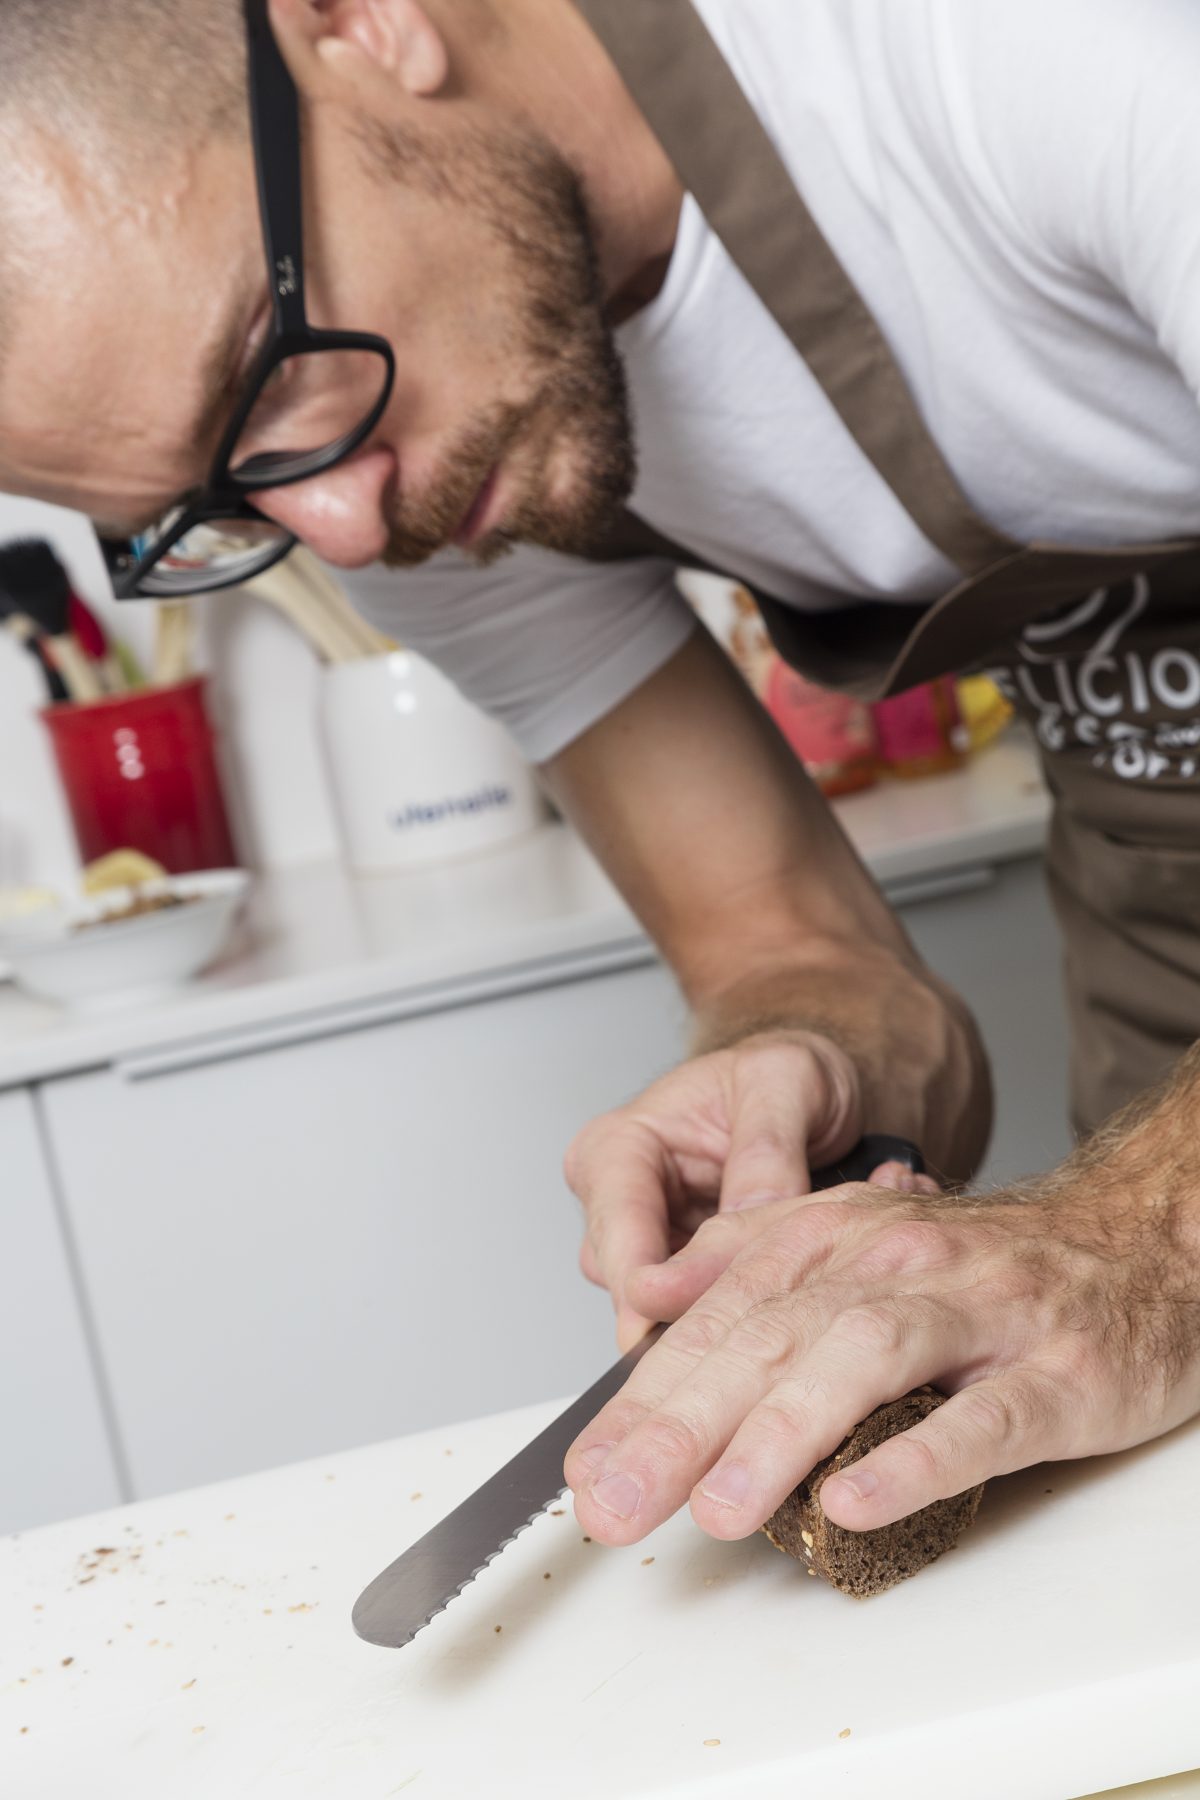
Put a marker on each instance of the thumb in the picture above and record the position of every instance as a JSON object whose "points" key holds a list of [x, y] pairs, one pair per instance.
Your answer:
{"points": [[790, 1102], [768, 1148]]}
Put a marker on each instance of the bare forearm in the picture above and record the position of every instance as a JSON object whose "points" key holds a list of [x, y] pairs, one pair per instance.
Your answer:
{"points": [[1140, 1175], [742, 874], [918, 1052]]}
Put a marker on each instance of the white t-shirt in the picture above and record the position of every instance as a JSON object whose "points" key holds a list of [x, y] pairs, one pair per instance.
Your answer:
{"points": [[1014, 187]]}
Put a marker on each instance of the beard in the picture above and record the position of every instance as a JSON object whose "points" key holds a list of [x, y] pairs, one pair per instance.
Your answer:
{"points": [[567, 449]]}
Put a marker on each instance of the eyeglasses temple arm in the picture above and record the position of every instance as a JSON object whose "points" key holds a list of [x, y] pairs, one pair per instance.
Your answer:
{"points": [[275, 121]]}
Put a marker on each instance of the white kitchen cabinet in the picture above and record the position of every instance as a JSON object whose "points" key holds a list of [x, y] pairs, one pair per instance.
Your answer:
{"points": [[55, 1455], [328, 1244]]}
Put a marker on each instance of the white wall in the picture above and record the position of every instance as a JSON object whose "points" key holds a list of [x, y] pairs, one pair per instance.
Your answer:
{"points": [[263, 699]]}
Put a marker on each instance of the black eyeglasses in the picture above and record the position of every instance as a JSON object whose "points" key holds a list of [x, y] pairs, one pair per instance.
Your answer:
{"points": [[312, 399]]}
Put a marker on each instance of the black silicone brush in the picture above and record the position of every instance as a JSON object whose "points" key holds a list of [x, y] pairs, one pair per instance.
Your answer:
{"points": [[35, 586]]}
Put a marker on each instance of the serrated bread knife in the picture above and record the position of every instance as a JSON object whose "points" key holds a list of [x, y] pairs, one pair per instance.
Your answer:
{"points": [[422, 1582]]}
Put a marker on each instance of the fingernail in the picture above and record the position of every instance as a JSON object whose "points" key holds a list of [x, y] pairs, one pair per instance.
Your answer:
{"points": [[728, 1486], [595, 1453], [897, 1176], [619, 1495], [743, 1202], [861, 1484]]}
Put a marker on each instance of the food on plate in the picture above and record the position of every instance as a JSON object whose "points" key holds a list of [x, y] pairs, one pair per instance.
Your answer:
{"points": [[870, 1562], [119, 869], [137, 908]]}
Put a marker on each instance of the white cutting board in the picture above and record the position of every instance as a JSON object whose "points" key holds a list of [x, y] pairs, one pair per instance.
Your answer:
{"points": [[1054, 1654]]}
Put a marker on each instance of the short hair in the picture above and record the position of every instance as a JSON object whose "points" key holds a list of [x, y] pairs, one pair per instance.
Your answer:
{"points": [[134, 66]]}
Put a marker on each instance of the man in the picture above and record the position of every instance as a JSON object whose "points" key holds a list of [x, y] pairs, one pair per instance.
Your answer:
{"points": [[1013, 192]]}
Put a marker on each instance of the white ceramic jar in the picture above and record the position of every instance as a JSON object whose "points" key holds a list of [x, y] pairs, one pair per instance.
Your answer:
{"points": [[418, 774]]}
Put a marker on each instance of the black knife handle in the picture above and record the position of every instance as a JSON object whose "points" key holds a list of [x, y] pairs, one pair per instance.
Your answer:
{"points": [[861, 1163]]}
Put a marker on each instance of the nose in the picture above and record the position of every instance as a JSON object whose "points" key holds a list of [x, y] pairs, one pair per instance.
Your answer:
{"points": [[341, 515]]}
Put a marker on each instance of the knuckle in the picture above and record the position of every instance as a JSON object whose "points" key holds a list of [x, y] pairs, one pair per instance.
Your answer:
{"points": [[991, 1413], [752, 1279], [780, 1422], [877, 1330], [673, 1438], [925, 1461], [912, 1246], [695, 1334], [719, 1228], [765, 1335], [581, 1150]]}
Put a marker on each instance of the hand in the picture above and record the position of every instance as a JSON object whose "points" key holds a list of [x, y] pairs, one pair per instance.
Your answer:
{"points": [[731, 1130], [1063, 1323]]}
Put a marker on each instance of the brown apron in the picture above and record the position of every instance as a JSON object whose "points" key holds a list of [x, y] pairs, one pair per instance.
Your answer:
{"points": [[1100, 650]]}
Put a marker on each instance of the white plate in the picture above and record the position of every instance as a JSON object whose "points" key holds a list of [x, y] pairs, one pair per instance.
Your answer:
{"points": [[127, 960]]}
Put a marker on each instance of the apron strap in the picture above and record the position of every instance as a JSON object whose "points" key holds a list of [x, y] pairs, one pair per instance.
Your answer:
{"points": [[677, 76]]}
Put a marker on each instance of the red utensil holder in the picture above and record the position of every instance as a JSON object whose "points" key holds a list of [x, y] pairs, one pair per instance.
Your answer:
{"points": [[140, 773]]}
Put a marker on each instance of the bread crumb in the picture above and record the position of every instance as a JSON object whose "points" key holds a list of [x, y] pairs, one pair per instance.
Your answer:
{"points": [[447, 1453], [229, 1516], [24, 1730], [267, 1612], [844, 1734], [587, 1540], [151, 1642], [546, 1576], [646, 1561], [67, 1661], [711, 1743], [417, 1496], [188, 1684], [303, 1607], [196, 1730], [37, 1606], [331, 1478], [557, 1512], [808, 1538], [160, 1603], [811, 1572], [498, 1628]]}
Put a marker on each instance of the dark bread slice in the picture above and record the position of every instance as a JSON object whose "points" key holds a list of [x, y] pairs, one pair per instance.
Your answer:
{"points": [[870, 1562]]}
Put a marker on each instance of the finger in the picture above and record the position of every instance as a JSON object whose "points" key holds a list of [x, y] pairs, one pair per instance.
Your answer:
{"points": [[902, 1180], [815, 1224], [991, 1428], [776, 1095], [871, 1354], [621, 1175], [668, 1289], [660, 1371]]}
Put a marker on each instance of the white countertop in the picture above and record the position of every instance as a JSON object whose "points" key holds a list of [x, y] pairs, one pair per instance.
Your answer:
{"points": [[317, 945], [210, 1653]]}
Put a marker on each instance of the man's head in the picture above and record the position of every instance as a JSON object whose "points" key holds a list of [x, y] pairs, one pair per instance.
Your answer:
{"points": [[443, 212]]}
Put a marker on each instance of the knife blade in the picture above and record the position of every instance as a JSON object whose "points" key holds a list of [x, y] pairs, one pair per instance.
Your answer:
{"points": [[427, 1577]]}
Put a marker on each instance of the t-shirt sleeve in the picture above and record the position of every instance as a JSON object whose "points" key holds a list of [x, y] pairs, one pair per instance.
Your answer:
{"points": [[544, 643], [1086, 112]]}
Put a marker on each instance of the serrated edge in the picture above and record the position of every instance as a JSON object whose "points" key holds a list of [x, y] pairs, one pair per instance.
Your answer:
{"points": [[467, 1580]]}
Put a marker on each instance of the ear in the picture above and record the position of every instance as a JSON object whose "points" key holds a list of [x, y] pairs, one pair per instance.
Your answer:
{"points": [[396, 37]]}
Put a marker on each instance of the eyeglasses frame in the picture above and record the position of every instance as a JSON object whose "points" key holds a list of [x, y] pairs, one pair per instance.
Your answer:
{"points": [[275, 136]]}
